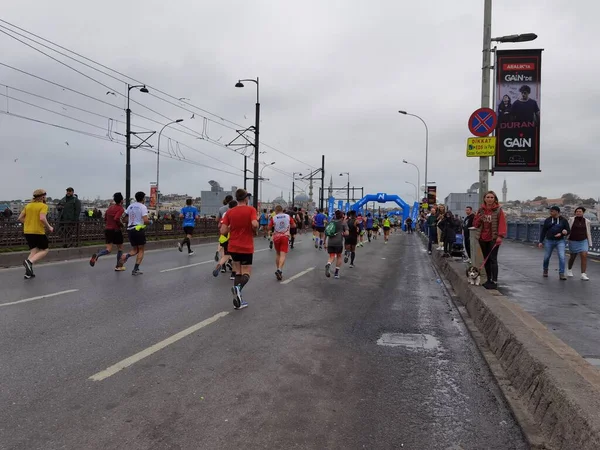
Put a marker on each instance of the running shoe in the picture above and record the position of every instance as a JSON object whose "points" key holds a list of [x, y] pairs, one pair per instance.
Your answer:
{"points": [[346, 258], [120, 268], [320, 247], [190, 253], [223, 269], [217, 257], [28, 268], [217, 270], [179, 247], [136, 272], [337, 275], [243, 305], [237, 297], [279, 274], [351, 266], [270, 245], [316, 244], [228, 266], [328, 270], [93, 259], [232, 276]]}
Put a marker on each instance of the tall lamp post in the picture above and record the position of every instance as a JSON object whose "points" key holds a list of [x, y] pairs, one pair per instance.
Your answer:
{"points": [[240, 84], [261, 180], [128, 142], [426, 145], [348, 187], [158, 163], [416, 190], [418, 176], [294, 186]]}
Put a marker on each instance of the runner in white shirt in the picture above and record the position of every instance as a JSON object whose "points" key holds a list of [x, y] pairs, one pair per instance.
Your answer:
{"points": [[281, 224], [137, 215]]}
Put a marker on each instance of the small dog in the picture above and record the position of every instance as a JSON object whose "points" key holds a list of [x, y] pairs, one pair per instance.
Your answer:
{"points": [[473, 276]]}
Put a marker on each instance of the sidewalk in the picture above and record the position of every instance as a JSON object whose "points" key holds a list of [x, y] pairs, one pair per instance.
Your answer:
{"points": [[569, 309]]}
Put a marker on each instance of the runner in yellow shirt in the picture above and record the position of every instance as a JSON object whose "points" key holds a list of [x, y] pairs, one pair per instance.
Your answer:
{"points": [[33, 218]]}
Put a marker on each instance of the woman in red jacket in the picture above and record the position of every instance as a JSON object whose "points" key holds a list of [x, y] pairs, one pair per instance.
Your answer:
{"points": [[490, 220]]}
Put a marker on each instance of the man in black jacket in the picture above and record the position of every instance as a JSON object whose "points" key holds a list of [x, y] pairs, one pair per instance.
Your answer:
{"points": [[552, 236], [468, 223]]}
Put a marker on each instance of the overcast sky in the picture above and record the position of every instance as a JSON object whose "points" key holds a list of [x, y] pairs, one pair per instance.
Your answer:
{"points": [[333, 75]]}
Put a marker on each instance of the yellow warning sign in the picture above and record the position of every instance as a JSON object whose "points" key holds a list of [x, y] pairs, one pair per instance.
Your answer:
{"points": [[481, 146]]}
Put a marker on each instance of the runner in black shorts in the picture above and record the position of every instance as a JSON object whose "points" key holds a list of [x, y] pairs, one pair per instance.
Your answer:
{"points": [[112, 233], [293, 230], [352, 238], [137, 215]]}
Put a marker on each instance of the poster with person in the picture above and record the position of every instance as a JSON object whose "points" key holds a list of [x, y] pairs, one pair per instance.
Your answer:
{"points": [[518, 80]]}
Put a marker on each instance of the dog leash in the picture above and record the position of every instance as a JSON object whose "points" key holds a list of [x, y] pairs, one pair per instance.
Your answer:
{"points": [[488, 256]]}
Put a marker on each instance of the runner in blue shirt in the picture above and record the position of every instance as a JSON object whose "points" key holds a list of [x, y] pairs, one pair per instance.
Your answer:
{"points": [[263, 222], [369, 226], [189, 214], [320, 223]]}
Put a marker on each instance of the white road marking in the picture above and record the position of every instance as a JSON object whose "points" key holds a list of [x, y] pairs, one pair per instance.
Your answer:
{"points": [[189, 265], [40, 297], [200, 263], [154, 348], [298, 275]]}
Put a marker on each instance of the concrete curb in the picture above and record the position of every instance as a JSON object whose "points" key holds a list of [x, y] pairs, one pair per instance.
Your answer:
{"points": [[61, 254], [557, 388]]}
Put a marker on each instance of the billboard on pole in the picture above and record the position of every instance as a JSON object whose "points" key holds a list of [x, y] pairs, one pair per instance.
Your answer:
{"points": [[518, 87], [153, 191]]}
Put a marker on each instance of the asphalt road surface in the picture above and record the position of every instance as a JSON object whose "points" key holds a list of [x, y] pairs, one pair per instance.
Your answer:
{"points": [[163, 361]]}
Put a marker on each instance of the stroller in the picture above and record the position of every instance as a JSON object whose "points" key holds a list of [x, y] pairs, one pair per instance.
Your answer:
{"points": [[458, 248]]}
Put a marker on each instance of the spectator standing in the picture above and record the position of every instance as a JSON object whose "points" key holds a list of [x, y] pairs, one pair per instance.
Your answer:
{"points": [[491, 221], [69, 208], [552, 236], [432, 229], [468, 223], [580, 240]]}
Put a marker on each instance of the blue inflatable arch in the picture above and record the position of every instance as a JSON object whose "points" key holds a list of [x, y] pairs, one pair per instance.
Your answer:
{"points": [[384, 198]]}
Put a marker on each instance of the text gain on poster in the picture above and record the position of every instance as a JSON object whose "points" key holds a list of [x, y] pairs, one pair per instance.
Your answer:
{"points": [[518, 82]]}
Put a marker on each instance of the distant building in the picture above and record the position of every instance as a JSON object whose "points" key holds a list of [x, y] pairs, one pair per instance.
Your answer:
{"points": [[504, 191], [212, 200], [457, 202]]}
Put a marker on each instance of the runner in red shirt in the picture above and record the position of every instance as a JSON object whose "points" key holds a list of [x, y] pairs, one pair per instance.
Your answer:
{"points": [[241, 224], [281, 224], [113, 232]]}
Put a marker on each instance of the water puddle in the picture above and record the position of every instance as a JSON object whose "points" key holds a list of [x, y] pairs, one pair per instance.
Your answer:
{"points": [[416, 341]]}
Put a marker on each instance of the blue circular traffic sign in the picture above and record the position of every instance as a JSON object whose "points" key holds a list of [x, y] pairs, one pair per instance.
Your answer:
{"points": [[483, 122]]}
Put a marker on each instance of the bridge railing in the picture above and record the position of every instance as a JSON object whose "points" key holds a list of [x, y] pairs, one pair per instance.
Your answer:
{"points": [[529, 231], [77, 234]]}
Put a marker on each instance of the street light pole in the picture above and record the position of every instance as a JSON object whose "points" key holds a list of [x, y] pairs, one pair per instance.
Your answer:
{"points": [[261, 171], [426, 146], [294, 186], [416, 190], [484, 161], [418, 175], [239, 84], [158, 163], [128, 142], [348, 187]]}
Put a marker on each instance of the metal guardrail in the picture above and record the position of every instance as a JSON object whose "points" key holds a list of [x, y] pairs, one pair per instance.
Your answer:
{"points": [[76, 234], [530, 232]]}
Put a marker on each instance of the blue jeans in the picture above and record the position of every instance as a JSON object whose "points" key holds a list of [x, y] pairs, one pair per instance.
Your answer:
{"points": [[549, 246]]}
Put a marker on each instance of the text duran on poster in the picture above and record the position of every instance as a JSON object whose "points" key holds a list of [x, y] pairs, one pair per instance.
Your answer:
{"points": [[481, 146]]}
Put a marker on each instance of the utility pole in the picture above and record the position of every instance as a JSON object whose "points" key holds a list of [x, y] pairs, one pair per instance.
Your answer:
{"points": [[484, 162], [322, 192], [245, 171]]}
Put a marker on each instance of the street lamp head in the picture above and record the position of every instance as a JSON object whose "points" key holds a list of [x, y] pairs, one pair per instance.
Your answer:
{"points": [[525, 37], [272, 163], [405, 161], [144, 89], [403, 112], [239, 84], [179, 120]]}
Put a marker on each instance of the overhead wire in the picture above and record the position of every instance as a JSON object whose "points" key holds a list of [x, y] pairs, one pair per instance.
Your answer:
{"points": [[123, 75]]}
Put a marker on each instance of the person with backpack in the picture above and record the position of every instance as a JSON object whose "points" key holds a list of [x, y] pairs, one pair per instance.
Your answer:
{"points": [[335, 231], [263, 222]]}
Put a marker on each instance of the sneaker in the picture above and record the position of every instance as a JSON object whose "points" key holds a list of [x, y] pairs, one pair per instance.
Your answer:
{"points": [[561, 276], [223, 269], [232, 276], [179, 247], [279, 275], [337, 276], [237, 297], [351, 266], [93, 259], [328, 270], [346, 259], [243, 305], [136, 272], [217, 270], [316, 244], [320, 247], [120, 268], [28, 268], [569, 273], [429, 253], [488, 284], [584, 277], [270, 245], [217, 257], [545, 273], [228, 266], [190, 253]]}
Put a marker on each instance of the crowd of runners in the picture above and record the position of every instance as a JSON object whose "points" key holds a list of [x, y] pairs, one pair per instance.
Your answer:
{"points": [[239, 223]]}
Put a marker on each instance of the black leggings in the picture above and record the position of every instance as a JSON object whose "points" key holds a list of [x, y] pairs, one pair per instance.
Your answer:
{"points": [[491, 265]]}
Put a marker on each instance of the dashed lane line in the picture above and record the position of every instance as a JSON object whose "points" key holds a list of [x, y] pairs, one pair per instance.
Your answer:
{"points": [[298, 275], [200, 263], [110, 371], [39, 297]]}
